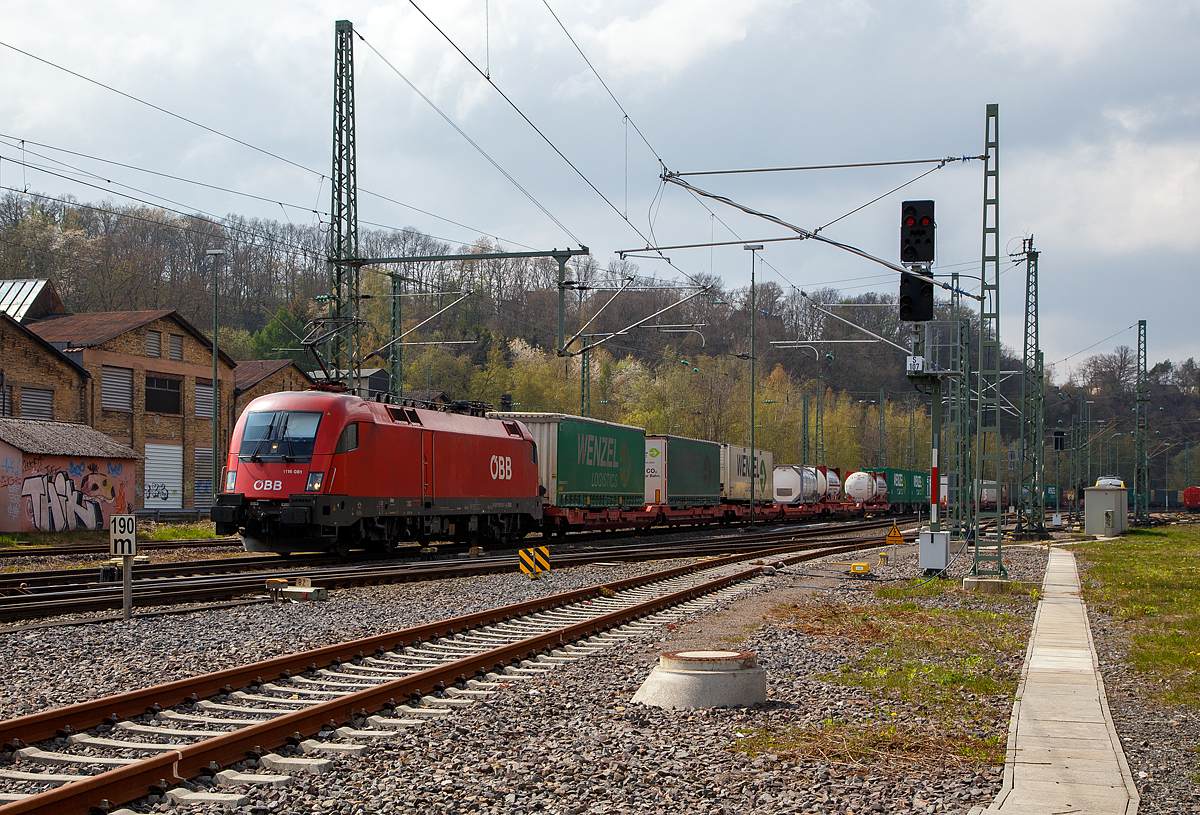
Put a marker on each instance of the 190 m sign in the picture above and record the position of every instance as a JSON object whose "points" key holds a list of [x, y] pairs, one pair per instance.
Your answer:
{"points": [[122, 535]]}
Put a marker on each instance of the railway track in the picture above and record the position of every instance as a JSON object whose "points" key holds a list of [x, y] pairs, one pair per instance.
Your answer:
{"points": [[102, 549], [100, 754], [72, 591]]}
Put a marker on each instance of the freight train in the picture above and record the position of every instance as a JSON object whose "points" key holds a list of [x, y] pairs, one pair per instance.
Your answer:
{"points": [[323, 470]]}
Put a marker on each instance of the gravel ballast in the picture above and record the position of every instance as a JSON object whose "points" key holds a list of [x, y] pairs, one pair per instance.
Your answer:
{"points": [[571, 741]]}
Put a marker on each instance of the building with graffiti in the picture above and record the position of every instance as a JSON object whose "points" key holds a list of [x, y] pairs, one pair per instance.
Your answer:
{"points": [[58, 476]]}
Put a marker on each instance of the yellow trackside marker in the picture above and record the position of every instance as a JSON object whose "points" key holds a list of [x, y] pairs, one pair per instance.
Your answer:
{"points": [[534, 561], [894, 538], [860, 568]]}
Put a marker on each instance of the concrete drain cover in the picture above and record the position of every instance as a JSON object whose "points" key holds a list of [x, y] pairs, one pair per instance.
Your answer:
{"points": [[703, 679]]}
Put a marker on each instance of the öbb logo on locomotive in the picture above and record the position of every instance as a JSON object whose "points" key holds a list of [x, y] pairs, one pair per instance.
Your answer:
{"points": [[501, 468], [268, 486]]}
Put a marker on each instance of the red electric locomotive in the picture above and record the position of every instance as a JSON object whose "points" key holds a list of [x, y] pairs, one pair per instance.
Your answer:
{"points": [[325, 471]]}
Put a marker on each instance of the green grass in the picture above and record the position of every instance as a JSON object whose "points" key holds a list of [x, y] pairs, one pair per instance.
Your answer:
{"points": [[203, 529], [1150, 582], [937, 677]]}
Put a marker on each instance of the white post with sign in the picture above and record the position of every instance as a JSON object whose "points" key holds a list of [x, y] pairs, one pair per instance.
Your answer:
{"points": [[122, 543]]}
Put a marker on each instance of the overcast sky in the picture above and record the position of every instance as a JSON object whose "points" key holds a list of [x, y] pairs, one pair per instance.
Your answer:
{"points": [[1099, 131]]}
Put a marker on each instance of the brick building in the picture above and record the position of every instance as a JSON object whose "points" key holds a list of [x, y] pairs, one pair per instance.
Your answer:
{"points": [[257, 377], [56, 476], [152, 389], [36, 380]]}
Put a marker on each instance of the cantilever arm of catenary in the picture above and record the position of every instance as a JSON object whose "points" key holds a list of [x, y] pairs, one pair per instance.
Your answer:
{"points": [[415, 327], [563, 352], [628, 282], [813, 302], [804, 233]]}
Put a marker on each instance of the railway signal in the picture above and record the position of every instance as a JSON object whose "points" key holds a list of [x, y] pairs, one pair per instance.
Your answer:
{"points": [[916, 232], [916, 298]]}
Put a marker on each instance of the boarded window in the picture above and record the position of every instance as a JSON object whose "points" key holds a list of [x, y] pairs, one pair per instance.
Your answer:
{"points": [[37, 404], [204, 397], [176, 346], [116, 388], [154, 343], [204, 478], [162, 395], [163, 487]]}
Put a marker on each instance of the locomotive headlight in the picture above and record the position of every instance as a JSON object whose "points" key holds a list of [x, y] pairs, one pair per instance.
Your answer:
{"points": [[315, 480], [230, 480]]}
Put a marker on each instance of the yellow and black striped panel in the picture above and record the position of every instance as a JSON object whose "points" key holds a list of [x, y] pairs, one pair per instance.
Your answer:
{"points": [[533, 560]]}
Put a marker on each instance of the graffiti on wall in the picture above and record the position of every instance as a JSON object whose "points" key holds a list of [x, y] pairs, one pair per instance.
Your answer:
{"points": [[77, 497]]}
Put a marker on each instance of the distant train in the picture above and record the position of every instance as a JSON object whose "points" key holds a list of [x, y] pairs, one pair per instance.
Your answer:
{"points": [[322, 470]]}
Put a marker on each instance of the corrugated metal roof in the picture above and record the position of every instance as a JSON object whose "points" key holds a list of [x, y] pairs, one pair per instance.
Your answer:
{"points": [[17, 297], [61, 439], [92, 328]]}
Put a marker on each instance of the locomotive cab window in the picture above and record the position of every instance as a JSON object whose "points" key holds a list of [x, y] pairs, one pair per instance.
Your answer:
{"points": [[533, 452], [348, 440], [279, 435]]}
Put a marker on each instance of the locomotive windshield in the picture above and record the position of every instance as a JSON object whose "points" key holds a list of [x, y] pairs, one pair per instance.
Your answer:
{"points": [[280, 435]]}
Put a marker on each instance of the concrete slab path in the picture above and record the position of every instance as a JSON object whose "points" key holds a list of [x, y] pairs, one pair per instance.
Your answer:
{"points": [[1064, 755]]}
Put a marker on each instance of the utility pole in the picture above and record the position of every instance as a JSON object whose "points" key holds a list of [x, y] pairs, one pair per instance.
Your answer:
{"points": [[1031, 520], [882, 431], [804, 448], [344, 278], [1141, 460], [989, 560]]}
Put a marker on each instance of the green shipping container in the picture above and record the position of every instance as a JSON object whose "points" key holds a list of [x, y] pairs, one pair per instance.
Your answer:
{"points": [[682, 472], [918, 490], [899, 486], [586, 462]]}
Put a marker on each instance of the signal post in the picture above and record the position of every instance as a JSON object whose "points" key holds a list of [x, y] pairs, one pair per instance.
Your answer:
{"points": [[917, 250]]}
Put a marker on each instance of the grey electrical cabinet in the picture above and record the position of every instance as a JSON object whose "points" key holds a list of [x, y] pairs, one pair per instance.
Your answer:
{"points": [[1105, 511]]}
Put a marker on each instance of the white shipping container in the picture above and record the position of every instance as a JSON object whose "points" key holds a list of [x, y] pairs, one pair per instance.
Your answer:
{"points": [[798, 485], [656, 470], [735, 475]]}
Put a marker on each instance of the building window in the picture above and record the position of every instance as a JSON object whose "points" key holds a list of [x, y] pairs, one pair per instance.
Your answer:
{"points": [[154, 343], [162, 395], [176, 350], [116, 388], [37, 403], [6, 405], [204, 397]]}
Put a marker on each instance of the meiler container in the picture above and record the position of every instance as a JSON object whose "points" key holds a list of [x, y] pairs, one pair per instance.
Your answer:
{"points": [[736, 479], [682, 472]]}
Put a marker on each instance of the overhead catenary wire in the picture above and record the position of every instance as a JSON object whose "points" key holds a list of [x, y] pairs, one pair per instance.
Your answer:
{"points": [[537, 130], [21, 143], [940, 161], [320, 176]]}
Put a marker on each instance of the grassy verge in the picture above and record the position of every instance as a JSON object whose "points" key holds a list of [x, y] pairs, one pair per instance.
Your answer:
{"points": [[937, 667], [80, 537], [1150, 582]]}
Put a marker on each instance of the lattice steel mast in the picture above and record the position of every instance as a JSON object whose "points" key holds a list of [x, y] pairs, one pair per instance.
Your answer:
{"points": [[1031, 522], [344, 278], [1141, 459], [989, 561]]}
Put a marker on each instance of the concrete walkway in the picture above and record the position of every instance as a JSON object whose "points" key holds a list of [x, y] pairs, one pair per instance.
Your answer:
{"points": [[1064, 755]]}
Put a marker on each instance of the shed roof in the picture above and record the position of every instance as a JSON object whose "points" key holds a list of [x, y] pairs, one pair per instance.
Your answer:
{"points": [[50, 349], [61, 439], [32, 299], [97, 327], [250, 372]]}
